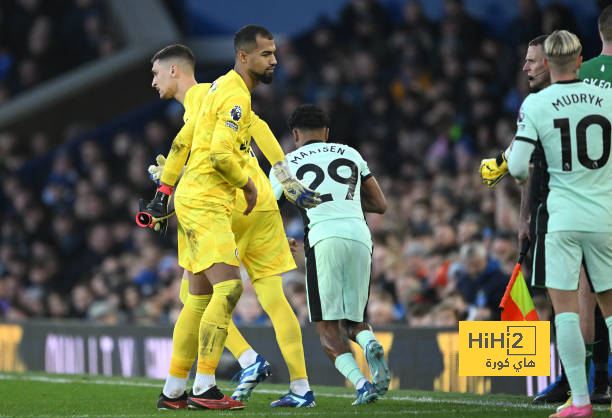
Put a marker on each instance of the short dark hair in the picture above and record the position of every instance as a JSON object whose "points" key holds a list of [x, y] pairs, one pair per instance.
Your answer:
{"points": [[246, 37], [538, 40], [308, 117], [604, 23], [175, 51]]}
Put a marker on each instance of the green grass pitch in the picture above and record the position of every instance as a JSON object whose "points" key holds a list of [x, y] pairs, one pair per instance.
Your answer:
{"points": [[48, 395]]}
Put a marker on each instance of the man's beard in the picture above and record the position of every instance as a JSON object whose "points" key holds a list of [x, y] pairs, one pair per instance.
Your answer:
{"points": [[541, 85], [537, 87], [263, 77], [534, 89]]}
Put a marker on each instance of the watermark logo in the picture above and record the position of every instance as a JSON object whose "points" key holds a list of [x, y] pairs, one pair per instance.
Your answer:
{"points": [[504, 348]]}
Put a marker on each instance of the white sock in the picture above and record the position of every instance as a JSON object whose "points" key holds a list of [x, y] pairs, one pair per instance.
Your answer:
{"points": [[299, 386], [174, 386], [581, 400], [247, 358], [361, 382], [202, 383]]}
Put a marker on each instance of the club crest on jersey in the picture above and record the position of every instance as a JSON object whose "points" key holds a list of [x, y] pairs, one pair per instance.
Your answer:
{"points": [[236, 113], [521, 115]]}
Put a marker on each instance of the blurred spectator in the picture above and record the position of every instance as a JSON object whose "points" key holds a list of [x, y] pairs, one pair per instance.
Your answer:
{"points": [[41, 39], [482, 283], [422, 100]]}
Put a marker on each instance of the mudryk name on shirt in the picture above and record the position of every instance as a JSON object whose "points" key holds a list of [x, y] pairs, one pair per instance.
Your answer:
{"points": [[568, 99]]}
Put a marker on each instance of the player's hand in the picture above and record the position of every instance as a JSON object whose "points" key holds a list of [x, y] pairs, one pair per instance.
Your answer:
{"points": [[250, 195], [155, 214], [294, 190], [155, 171], [492, 170], [293, 246]]}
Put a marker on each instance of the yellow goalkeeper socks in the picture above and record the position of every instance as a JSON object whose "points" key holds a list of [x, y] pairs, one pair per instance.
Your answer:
{"points": [[185, 343], [286, 326], [214, 324], [236, 343]]}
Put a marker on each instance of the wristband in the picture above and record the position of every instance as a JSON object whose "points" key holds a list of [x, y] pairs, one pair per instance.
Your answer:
{"points": [[500, 158], [165, 189]]}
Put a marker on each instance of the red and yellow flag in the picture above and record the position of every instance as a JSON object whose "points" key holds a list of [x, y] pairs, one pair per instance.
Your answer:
{"points": [[516, 303]]}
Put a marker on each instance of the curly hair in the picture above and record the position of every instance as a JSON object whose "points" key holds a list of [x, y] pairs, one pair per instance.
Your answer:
{"points": [[308, 117]]}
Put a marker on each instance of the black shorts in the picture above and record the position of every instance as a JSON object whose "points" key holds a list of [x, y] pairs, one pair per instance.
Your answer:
{"points": [[537, 232], [537, 229], [538, 261]]}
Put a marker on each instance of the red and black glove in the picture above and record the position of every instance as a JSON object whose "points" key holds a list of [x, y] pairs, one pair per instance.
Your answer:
{"points": [[155, 214]]}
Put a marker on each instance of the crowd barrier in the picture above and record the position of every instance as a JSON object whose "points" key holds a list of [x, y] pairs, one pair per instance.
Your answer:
{"points": [[419, 358]]}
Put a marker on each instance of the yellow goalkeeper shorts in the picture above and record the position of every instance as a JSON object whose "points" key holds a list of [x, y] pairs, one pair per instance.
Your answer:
{"points": [[205, 238], [262, 243]]}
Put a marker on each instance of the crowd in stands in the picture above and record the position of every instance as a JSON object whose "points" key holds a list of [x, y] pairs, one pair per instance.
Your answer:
{"points": [[422, 101], [41, 39]]}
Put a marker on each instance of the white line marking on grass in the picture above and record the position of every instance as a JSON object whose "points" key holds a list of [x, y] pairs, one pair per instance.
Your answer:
{"points": [[416, 399]]}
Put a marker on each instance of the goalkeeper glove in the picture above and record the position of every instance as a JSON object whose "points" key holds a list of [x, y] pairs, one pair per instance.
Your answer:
{"points": [[155, 171], [492, 170], [294, 190], [155, 214]]}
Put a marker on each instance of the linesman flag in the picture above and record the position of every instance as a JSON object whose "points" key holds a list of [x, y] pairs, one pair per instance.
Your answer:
{"points": [[516, 303]]}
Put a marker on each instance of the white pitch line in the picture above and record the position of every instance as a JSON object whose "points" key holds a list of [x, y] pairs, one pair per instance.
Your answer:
{"points": [[417, 399]]}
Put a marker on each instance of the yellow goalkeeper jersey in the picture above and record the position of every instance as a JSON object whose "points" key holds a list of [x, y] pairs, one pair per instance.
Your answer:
{"points": [[220, 134], [265, 195], [259, 130], [181, 146]]}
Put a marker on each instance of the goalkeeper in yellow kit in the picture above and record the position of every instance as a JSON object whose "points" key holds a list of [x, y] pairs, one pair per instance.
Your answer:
{"points": [[260, 239]]}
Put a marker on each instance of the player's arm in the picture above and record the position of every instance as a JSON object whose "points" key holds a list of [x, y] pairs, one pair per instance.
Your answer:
{"points": [[295, 191], [168, 170], [222, 157], [372, 197], [523, 231], [155, 214], [524, 141], [277, 188], [518, 162], [265, 139]]}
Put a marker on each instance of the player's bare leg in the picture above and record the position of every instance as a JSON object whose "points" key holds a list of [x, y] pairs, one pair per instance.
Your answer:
{"points": [[340, 354], [586, 309]]}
